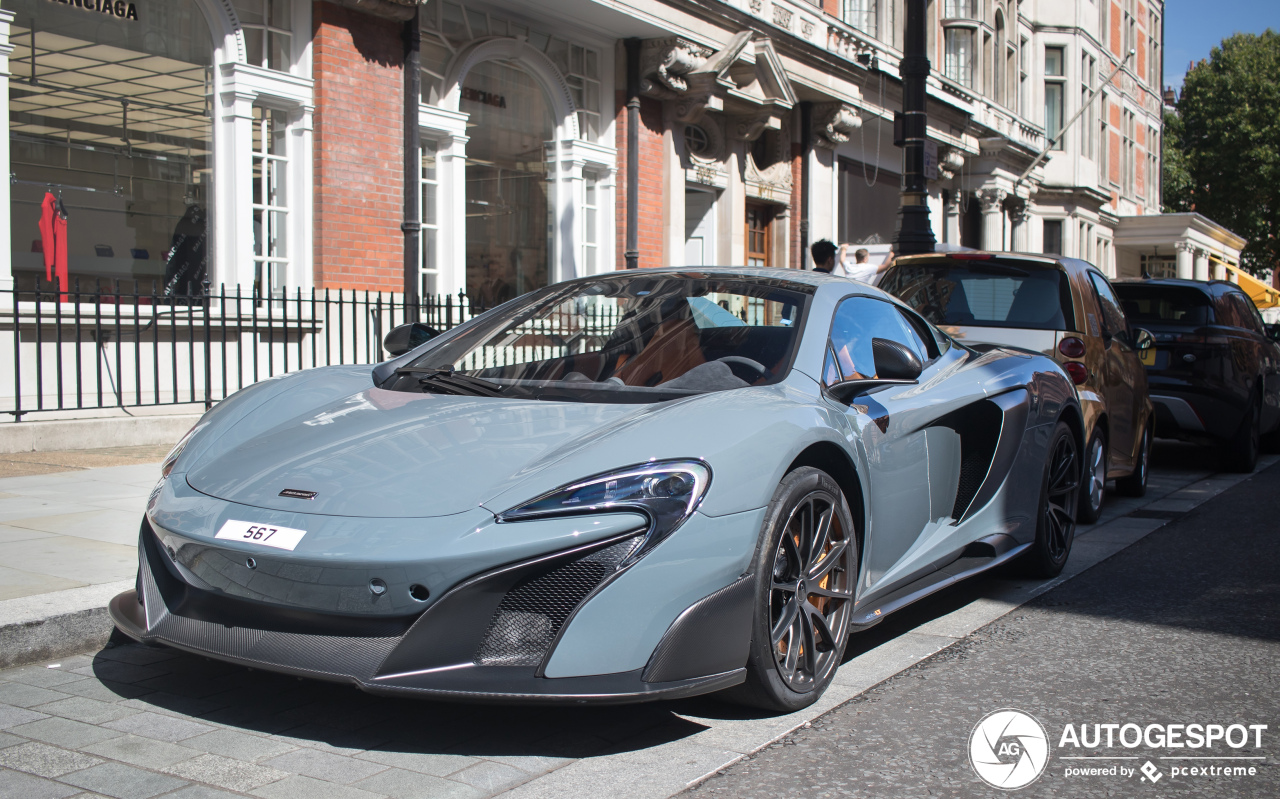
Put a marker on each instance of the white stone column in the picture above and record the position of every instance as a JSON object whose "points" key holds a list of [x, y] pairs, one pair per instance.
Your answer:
{"points": [[451, 210], [1202, 265], [992, 218], [951, 218], [1182, 254], [1018, 218], [6, 234]]}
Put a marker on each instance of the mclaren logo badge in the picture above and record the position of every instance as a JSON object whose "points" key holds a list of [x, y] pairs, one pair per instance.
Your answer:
{"points": [[298, 493]]}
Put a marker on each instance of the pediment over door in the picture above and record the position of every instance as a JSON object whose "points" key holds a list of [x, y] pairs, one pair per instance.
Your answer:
{"points": [[744, 80]]}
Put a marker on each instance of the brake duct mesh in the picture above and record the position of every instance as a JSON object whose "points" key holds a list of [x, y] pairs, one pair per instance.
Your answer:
{"points": [[531, 614]]}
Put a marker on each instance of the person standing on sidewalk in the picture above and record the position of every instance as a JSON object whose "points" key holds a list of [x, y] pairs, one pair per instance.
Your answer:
{"points": [[862, 269]]}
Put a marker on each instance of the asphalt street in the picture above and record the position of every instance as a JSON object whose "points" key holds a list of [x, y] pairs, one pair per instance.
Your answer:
{"points": [[1181, 628]]}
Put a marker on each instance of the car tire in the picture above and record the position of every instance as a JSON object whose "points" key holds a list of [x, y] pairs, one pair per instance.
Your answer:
{"points": [[1055, 518], [806, 569], [1241, 453], [1135, 485], [1093, 479]]}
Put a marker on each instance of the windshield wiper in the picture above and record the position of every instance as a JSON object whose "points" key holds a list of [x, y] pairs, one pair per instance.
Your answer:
{"points": [[452, 382]]}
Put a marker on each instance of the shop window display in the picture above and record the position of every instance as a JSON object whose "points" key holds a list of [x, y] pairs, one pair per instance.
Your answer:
{"points": [[109, 121]]}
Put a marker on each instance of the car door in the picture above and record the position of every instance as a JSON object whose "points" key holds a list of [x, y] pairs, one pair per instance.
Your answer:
{"points": [[904, 503], [1124, 383], [1262, 356]]}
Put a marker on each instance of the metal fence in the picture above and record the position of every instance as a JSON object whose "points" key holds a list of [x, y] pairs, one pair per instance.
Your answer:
{"points": [[124, 344]]}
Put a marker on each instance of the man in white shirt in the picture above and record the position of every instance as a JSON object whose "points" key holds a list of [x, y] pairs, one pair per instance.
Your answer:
{"points": [[861, 269]]}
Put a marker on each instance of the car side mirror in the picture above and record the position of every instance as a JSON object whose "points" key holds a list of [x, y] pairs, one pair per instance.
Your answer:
{"points": [[895, 365], [406, 337], [1142, 339]]}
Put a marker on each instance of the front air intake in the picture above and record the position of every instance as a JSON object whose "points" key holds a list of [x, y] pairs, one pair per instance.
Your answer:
{"points": [[530, 616]]}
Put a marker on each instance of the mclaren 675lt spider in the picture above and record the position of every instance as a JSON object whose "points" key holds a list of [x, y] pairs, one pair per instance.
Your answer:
{"points": [[626, 487]]}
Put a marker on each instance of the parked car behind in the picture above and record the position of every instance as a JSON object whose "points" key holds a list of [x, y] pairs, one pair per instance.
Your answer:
{"points": [[1064, 308], [1213, 368]]}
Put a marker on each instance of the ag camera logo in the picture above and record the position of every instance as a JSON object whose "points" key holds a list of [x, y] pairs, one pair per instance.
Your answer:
{"points": [[1008, 749]]}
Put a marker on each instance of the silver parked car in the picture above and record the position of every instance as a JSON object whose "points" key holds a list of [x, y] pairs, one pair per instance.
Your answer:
{"points": [[633, 486]]}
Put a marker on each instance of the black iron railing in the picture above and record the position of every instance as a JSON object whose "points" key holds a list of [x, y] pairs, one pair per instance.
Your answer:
{"points": [[125, 344]]}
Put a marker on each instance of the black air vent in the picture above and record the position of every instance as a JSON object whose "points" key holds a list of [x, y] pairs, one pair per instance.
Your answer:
{"points": [[532, 613], [979, 428]]}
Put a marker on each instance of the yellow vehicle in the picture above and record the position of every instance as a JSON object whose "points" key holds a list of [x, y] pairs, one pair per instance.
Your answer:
{"points": [[1064, 308]]}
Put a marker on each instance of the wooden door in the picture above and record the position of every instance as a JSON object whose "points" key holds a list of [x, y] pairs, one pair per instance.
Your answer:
{"points": [[759, 218]]}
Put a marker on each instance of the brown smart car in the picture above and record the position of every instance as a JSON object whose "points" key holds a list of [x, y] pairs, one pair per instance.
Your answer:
{"points": [[1066, 309]]}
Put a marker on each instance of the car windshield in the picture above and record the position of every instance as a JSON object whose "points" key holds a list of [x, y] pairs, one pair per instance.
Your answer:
{"points": [[631, 339], [987, 293], [1171, 305]]}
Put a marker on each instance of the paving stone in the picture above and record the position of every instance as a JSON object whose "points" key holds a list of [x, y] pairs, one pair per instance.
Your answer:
{"points": [[40, 675], [159, 727], [490, 777], [414, 785], [325, 765], [298, 787], [241, 746], [102, 690], [17, 785], [225, 772], [138, 654], [7, 740], [200, 792], [11, 716], [123, 782], [171, 704], [439, 765], [530, 764], [338, 742], [44, 760], [65, 732], [141, 751], [90, 711], [120, 672], [23, 695]]}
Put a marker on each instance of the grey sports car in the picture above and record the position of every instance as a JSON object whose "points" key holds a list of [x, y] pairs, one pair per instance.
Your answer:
{"points": [[641, 485]]}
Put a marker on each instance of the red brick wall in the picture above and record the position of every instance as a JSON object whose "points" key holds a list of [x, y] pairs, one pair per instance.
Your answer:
{"points": [[1117, 40], [832, 7], [359, 199], [652, 204]]}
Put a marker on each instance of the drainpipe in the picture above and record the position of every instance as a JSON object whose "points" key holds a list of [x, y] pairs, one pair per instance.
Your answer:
{"points": [[806, 150], [633, 153], [411, 225]]}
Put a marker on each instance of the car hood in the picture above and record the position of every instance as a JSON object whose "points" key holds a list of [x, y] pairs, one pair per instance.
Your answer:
{"points": [[379, 453]]}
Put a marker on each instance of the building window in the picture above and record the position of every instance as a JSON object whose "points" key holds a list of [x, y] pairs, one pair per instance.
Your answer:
{"points": [[1024, 82], [959, 58], [583, 75], [1153, 168], [1129, 27], [590, 224], [1103, 152], [268, 32], [270, 201], [1153, 51], [429, 213], [1054, 91], [963, 9], [1052, 237], [1128, 151], [1088, 69], [861, 14]]}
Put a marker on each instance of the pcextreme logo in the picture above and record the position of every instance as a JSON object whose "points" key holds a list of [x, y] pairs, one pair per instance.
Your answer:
{"points": [[1008, 749]]}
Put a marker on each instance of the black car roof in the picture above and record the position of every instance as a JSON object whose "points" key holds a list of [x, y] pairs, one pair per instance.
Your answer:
{"points": [[1205, 286]]}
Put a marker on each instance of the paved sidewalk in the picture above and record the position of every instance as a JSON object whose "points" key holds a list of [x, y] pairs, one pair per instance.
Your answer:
{"points": [[132, 721], [74, 527]]}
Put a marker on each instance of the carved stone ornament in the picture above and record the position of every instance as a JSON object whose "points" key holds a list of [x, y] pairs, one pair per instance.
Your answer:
{"points": [[806, 28], [834, 123], [845, 44], [757, 6], [950, 162], [664, 63], [782, 17], [992, 200], [749, 128], [1020, 212]]}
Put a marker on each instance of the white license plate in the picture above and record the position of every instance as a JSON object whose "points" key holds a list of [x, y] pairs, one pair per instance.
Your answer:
{"points": [[267, 535]]}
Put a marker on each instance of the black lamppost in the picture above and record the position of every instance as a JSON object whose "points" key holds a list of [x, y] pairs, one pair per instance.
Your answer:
{"points": [[914, 233]]}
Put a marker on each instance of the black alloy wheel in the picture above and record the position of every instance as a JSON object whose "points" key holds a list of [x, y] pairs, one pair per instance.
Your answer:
{"points": [[1135, 485], [1059, 499], [806, 570]]}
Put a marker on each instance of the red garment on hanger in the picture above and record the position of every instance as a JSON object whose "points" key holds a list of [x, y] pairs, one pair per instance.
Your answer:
{"points": [[53, 240]]}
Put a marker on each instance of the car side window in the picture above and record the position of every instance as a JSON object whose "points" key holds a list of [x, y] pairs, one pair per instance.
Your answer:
{"points": [[1113, 318], [1250, 319], [856, 322], [1227, 313]]}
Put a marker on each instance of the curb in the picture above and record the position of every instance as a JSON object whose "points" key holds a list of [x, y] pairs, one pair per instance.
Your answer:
{"points": [[56, 624], [46, 436]]}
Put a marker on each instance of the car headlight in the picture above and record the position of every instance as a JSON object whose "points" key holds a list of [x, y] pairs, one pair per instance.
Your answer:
{"points": [[667, 492], [172, 457]]}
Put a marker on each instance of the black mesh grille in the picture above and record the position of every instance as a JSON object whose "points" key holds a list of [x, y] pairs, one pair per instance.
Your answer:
{"points": [[530, 615], [973, 467]]}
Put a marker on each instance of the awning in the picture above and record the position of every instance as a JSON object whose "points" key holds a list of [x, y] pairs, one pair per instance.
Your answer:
{"points": [[1264, 296]]}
